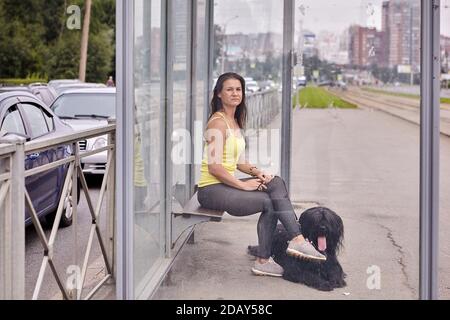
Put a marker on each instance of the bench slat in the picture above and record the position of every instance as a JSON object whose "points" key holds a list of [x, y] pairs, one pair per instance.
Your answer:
{"points": [[193, 207], [191, 215]]}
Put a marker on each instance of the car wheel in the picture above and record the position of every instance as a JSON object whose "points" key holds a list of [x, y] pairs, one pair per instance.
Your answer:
{"points": [[67, 215], [66, 218]]}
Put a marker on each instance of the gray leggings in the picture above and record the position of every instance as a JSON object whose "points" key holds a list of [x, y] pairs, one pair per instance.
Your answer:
{"points": [[273, 203]]}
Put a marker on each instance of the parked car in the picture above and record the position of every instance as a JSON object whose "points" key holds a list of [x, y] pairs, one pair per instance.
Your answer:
{"points": [[44, 92], [267, 85], [301, 81], [72, 86], [341, 85], [14, 88], [86, 109], [21, 113], [251, 86], [58, 82]]}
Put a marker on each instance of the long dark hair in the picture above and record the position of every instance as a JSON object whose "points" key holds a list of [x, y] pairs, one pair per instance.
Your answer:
{"points": [[216, 103]]}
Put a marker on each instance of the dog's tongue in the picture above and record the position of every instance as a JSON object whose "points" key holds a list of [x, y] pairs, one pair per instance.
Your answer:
{"points": [[322, 243]]}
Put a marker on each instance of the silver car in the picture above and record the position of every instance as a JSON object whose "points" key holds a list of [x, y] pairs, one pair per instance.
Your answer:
{"points": [[75, 86], [57, 82], [22, 114], [87, 109]]}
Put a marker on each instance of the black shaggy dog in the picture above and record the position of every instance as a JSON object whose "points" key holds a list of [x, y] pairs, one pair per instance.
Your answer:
{"points": [[324, 228]]}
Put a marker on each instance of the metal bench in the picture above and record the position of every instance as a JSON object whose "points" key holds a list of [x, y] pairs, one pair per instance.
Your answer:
{"points": [[190, 215]]}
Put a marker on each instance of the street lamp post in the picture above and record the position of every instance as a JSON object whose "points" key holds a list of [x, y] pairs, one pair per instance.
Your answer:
{"points": [[225, 41]]}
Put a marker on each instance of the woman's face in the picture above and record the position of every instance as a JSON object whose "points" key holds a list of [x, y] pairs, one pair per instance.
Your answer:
{"points": [[231, 94]]}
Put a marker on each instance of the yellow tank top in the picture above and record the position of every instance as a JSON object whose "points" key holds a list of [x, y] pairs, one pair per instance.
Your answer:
{"points": [[233, 148]]}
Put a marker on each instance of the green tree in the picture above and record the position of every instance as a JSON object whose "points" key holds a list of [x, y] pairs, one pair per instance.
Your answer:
{"points": [[53, 20], [34, 39], [100, 53], [64, 56], [21, 47]]}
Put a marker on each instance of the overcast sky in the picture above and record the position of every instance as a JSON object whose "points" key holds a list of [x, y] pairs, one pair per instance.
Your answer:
{"points": [[445, 17], [317, 15], [250, 16]]}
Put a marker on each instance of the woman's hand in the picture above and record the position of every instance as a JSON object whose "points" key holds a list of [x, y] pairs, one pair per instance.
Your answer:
{"points": [[253, 184], [264, 177]]}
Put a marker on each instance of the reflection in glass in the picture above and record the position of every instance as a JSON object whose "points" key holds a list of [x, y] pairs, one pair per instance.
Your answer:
{"points": [[199, 86], [148, 236], [179, 97]]}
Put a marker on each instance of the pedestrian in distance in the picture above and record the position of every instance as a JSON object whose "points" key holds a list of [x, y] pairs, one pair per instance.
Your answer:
{"points": [[110, 82]]}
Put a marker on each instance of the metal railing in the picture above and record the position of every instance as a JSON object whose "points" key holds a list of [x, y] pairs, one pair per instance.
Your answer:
{"points": [[13, 191], [12, 231], [262, 108]]}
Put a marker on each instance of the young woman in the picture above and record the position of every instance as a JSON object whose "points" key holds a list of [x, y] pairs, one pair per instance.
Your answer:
{"points": [[220, 190]]}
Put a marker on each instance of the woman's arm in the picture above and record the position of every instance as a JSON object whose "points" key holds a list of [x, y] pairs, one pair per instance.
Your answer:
{"points": [[246, 167], [249, 168]]}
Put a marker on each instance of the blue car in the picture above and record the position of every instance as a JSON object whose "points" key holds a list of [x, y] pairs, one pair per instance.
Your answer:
{"points": [[21, 113]]}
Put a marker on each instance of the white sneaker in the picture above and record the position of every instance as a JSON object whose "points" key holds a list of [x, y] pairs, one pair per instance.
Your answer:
{"points": [[304, 250], [270, 268]]}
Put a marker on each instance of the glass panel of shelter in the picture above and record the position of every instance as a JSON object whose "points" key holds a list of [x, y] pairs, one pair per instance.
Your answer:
{"points": [[356, 136], [148, 142], [444, 205]]}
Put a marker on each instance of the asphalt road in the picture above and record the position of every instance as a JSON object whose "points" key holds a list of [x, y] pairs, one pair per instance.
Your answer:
{"points": [[365, 164]]}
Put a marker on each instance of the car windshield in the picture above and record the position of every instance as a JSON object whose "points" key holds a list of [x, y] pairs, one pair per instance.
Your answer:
{"points": [[99, 105]]}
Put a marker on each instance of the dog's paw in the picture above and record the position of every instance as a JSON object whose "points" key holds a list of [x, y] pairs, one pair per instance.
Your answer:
{"points": [[325, 287], [341, 284]]}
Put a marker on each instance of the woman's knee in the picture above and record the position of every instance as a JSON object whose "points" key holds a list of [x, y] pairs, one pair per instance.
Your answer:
{"points": [[278, 179], [277, 182]]}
